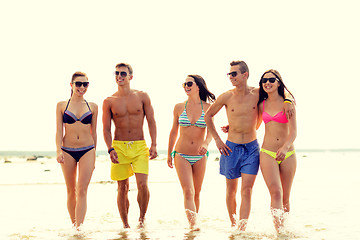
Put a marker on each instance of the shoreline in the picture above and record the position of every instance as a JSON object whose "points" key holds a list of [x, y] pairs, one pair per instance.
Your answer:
{"points": [[99, 153]]}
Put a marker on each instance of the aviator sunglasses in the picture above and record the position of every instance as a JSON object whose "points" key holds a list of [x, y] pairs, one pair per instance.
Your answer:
{"points": [[122, 74], [271, 80], [85, 84], [233, 74], [189, 84]]}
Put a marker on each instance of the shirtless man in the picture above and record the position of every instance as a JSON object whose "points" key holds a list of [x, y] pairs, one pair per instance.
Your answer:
{"points": [[128, 151], [240, 154]]}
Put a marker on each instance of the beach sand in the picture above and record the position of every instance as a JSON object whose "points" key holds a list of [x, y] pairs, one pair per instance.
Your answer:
{"points": [[324, 203]]}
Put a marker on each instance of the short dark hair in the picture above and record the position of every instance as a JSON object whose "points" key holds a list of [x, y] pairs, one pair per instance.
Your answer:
{"points": [[125, 65], [243, 66]]}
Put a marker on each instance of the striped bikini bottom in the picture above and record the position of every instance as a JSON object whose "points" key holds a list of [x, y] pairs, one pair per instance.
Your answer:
{"points": [[192, 159]]}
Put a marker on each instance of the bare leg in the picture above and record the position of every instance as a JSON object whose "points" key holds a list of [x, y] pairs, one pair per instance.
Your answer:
{"points": [[123, 201], [185, 174], [231, 189], [287, 173], [69, 170], [246, 192], [143, 195], [271, 174], [198, 170], [86, 168]]}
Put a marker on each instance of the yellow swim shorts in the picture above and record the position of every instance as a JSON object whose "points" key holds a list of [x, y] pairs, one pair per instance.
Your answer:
{"points": [[133, 157]]}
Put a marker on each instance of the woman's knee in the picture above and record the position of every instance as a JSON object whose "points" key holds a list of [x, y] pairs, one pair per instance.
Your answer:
{"points": [[189, 193], [82, 191], [276, 193]]}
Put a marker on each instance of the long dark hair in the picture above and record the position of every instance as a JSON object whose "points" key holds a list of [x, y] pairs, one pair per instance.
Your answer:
{"points": [[204, 92], [281, 89]]}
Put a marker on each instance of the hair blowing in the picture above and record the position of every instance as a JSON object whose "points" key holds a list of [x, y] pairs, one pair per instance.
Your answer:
{"points": [[204, 92]]}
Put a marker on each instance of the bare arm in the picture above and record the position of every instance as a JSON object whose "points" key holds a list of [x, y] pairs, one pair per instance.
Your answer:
{"points": [[173, 136], [204, 147], [94, 110], [289, 107], [59, 132], [210, 113], [149, 113], [106, 119], [281, 153], [259, 119]]}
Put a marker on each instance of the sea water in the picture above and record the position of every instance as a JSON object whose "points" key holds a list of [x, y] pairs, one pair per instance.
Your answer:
{"points": [[325, 202]]}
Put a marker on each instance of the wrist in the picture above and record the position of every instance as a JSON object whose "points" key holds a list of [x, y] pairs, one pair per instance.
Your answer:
{"points": [[110, 149]]}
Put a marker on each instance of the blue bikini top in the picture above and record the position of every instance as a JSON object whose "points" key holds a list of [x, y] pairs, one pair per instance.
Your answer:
{"points": [[70, 117], [184, 120]]}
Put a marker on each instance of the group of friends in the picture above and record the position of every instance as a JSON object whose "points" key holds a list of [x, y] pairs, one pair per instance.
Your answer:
{"points": [[192, 130]]}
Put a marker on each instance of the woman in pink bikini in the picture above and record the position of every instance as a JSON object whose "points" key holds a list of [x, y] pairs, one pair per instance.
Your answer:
{"points": [[277, 155], [76, 142], [191, 148]]}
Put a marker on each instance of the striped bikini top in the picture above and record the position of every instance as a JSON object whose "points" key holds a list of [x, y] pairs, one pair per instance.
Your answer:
{"points": [[184, 120]]}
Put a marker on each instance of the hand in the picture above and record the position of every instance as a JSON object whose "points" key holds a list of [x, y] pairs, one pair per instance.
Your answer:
{"points": [[153, 152], [170, 161], [114, 157], [202, 150], [289, 110], [223, 148], [225, 129], [60, 158], [281, 153]]}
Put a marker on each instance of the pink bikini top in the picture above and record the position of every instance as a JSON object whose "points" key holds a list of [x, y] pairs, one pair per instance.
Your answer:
{"points": [[280, 117]]}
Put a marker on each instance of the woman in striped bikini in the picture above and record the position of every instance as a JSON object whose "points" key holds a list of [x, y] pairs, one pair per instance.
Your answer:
{"points": [[277, 155], [191, 147]]}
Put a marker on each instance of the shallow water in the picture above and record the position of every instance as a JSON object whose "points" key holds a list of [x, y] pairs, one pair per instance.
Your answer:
{"points": [[324, 203]]}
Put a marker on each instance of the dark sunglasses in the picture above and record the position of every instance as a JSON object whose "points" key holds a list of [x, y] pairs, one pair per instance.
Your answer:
{"points": [[233, 74], [122, 74], [189, 84], [85, 84], [271, 80]]}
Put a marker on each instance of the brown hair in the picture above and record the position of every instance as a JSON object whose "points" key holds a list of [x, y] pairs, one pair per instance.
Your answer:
{"points": [[78, 74], [243, 66], [125, 65], [281, 89]]}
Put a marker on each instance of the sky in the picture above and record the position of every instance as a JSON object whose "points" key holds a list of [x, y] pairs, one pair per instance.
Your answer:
{"points": [[313, 44]]}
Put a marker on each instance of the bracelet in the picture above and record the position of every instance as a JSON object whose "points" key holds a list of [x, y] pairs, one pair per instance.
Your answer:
{"points": [[109, 151], [287, 101]]}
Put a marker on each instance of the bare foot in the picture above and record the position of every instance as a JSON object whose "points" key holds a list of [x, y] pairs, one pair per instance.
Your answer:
{"points": [[141, 223]]}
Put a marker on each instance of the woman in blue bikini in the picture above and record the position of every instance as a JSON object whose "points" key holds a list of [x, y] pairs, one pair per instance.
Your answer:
{"points": [[76, 145], [277, 155], [191, 147]]}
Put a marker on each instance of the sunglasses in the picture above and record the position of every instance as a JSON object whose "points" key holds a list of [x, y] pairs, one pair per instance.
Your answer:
{"points": [[233, 74], [122, 74], [189, 84], [271, 80], [85, 84]]}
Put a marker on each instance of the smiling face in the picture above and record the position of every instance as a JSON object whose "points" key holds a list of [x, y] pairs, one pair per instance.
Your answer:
{"points": [[122, 76], [193, 89], [79, 85], [270, 83], [235, 75]]}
